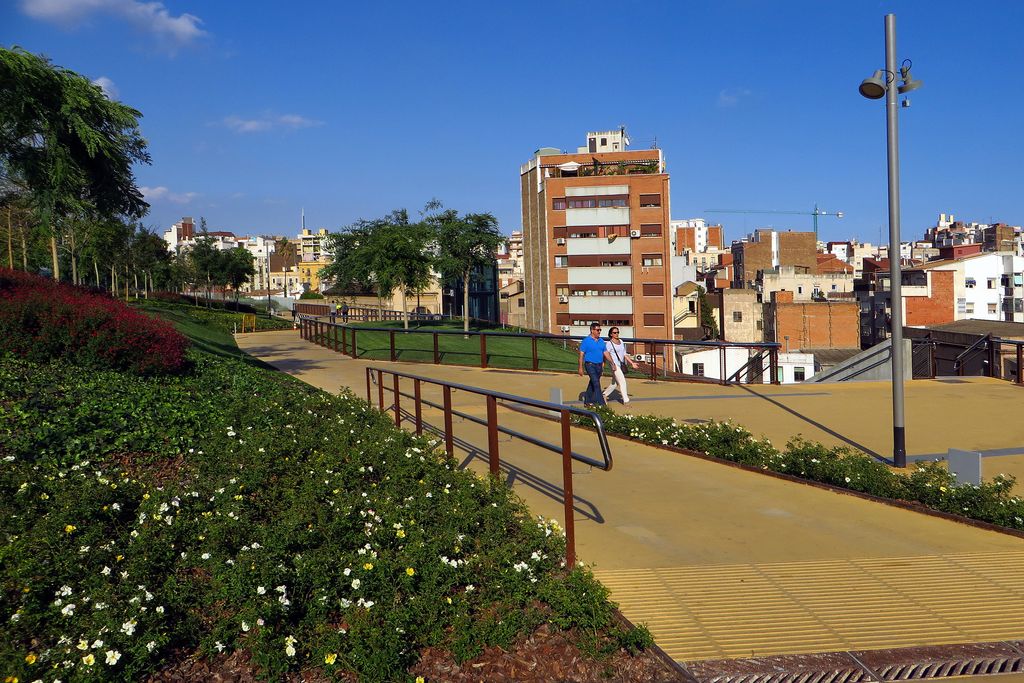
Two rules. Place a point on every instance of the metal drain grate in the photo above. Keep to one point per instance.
(942, 669)
(851, 675)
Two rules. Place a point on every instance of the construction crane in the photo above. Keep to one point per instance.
(817, 212)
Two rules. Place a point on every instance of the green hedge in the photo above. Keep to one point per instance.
(929, 484)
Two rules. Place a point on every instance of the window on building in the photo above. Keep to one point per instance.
(970, 307)
(561, 290)
(759, 324)
(835, 287)
(970, 283)
(521, 303)
(798, 374)
(991, 283)
(558, 204)
(737, 316)
(799, 290)
(654, 289)
(654, 319)
(698, 369)
(650, 230)
(692, 305)
(651, 260)
(561, 261)
(650, 200)
(993, 308)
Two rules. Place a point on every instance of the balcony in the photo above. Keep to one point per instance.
(583, 246)
(599, 216)
(604, 275)
(603, 305)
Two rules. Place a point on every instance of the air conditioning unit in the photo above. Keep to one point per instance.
(563, 299)
(560, 241)
(564, 328)
(634, 233)
(642, 358)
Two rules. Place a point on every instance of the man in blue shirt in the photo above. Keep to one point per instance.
(592, 360)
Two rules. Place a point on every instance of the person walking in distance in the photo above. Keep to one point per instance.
(615, 352)
(592, 361)
(344, 312)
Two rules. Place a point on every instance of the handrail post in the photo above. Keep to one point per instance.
(344, 340)
(437, 353)
(380, 390)
(448, 437)
(773, 365)
(353, 342)
(1020, 357)
(567, 495)
(398, 405)
(336, 339)
(392, 336)
(993, 356)
(492, 434)
(369, 397)
(533, 343)
(483, 350)
(721, 366)
(419, 406)
(654, 365)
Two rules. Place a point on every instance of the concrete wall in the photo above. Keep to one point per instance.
(871, 365)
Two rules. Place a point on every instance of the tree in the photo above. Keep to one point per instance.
(239, 268)
(384, 254)
(465, 245)
(707, 320)
(65, 145)
(289, 257)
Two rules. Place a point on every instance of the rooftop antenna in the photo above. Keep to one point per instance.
(303, 217)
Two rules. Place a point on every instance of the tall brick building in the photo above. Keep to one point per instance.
(766, 249)
(811, 324)
(596, 238)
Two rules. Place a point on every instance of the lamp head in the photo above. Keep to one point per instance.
(908, 81)
(874, 87)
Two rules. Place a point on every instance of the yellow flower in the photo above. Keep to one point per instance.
(145, 496)
(449, 600)
(69, 528)
(420, 679)
(30, 658)
(368, 566)
(400, 533)
(410, 571)
(119, 558)
(11, 679)
(89, 660)
(329, 659)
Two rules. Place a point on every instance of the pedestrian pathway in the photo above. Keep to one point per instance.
(721, 562)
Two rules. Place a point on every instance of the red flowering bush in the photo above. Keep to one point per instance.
(41, 319)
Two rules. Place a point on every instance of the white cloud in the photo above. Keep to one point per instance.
(732, 96)
(150, 17)
(161, 193)
(107, 86)
(267, 122)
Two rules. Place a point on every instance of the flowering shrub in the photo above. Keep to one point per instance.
(930, 484)
(41, 319)
(236, 508)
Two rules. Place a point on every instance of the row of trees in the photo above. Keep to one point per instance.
(396, 253)
(67, 157)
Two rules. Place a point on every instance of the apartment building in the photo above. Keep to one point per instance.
(596, 239)
(807, 285)
(696, 235)
(766, 248)
(312, 244)
(510, 260)
(182, 231)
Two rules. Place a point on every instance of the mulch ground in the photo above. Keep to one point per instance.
(546, 656)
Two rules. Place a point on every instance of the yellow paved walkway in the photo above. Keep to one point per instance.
(722, 562)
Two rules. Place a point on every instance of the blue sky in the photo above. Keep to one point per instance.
(255, 110)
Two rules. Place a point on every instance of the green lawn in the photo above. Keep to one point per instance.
(210, 329)
(455, 349)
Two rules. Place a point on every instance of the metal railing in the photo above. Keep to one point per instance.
(377, 376)
(982, 345)
(1019, 349)
(343, 338)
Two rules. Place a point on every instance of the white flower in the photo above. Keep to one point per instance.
(105, 571)
(159, 609)
(68, 610)
(356, 583)
(151, 645)
(245, 626)
(205, 556)
(348, 570)
(219, 646)
(97, 644)
(129, 627)
(260, 590)
(113, 656)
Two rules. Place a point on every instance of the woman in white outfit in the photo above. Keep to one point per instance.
(615, 351)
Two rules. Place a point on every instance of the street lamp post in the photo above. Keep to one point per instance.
(883, 84)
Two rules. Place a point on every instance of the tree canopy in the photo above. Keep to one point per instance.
(465, 244)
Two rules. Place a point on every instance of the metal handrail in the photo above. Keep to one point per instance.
(375, 376)
(759, 357)
(958, 361)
